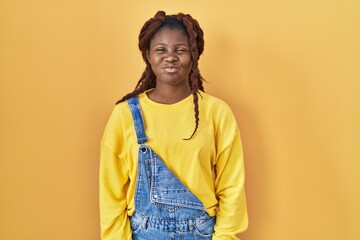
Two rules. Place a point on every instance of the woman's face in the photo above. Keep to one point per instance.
(170, 57)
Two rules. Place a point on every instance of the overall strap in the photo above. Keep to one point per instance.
(135, 109)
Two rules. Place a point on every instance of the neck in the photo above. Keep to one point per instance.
(169, 95)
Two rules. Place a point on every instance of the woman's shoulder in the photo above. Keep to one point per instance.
(121, 107)
(213, 102)
(120, 112)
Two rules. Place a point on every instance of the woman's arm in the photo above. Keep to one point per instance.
(231, 217)
(113, 184)
(114, 180)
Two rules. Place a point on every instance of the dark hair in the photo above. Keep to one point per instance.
(191, 27)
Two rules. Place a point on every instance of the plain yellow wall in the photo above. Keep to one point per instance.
(289, 69)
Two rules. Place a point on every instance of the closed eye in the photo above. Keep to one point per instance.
(160, 50)
(182, 50)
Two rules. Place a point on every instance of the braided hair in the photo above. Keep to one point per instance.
(191, 28)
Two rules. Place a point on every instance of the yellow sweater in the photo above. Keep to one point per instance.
(210, 164)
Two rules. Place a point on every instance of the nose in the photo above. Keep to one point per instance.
(170, 57)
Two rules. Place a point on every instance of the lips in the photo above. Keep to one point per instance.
(170, 68)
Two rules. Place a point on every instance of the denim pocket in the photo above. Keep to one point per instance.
(136, 223)
(205, 228)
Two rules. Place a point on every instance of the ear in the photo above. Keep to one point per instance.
(148, 56)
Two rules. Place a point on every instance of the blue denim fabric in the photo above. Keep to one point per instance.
(164, 207)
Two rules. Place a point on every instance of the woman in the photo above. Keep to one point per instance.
(171, 157)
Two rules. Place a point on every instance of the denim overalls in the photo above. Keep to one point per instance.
(164, 207)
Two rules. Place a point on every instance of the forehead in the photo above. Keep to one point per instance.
(170, 35)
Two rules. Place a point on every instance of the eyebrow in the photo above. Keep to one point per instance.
(178, 44)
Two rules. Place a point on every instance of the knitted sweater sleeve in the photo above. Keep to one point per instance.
(113, 185)
(231, 217)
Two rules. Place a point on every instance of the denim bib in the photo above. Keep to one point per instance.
(164, 207)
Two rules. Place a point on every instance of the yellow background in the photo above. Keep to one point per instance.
(289, 69)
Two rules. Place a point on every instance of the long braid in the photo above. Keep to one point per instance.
(196, 41)
(197, 47)
(147, 81)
